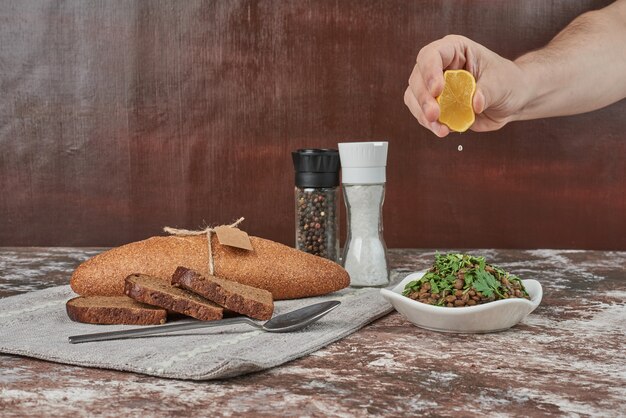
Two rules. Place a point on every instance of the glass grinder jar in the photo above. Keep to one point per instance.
(363, 182)
(316, 198)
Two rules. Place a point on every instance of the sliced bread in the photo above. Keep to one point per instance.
(113, 310)
(247, 300)
(154, 291)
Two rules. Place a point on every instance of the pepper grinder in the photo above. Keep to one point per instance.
(316, 197)
(363, 166)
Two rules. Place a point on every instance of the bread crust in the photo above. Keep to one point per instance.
(246, 300)
(153, 291)
(117, 310)
(283, 271)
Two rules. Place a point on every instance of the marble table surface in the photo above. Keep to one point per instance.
(567, 358)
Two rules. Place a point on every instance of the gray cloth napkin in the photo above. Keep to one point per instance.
(36, 325)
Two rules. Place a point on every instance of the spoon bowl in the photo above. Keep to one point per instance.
(300, 318)
(287, 322)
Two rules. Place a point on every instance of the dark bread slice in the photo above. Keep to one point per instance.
(113, 310)
(247, 300)
(154, 291)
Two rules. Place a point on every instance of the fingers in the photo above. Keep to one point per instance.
(427, 103)
(413, 105)
(439, 129)
(429, 66)
(434, 58)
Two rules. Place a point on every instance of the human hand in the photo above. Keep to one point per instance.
(501, 90)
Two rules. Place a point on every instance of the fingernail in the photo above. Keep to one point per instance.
(434, 126)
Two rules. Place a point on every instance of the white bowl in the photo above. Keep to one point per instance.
(489, 317)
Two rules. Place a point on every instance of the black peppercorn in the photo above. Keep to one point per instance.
(316, 199)
(316, 223)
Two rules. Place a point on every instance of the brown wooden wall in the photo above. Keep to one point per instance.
(120, 117)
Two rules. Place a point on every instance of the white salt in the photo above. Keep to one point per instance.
(365, 256)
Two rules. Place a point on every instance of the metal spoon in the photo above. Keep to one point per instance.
(290, 321)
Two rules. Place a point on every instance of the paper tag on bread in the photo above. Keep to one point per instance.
(233, 237)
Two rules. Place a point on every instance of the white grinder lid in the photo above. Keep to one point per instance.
(363, 162)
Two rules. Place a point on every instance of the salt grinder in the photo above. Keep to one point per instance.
(363, 166)
(316, 198)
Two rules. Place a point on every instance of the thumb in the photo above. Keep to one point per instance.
(479, 102)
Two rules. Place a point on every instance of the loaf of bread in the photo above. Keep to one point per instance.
(246, 300)
(153, 291)
(110, 310)
(285, 272)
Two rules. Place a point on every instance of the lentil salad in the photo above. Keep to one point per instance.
(460, 280)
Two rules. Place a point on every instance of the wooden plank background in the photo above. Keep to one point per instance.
(120, 117)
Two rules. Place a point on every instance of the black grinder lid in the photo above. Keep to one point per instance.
(316, 167)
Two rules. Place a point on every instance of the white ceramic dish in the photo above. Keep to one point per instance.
(489, 317)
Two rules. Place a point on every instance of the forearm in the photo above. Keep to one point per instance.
(582, 69)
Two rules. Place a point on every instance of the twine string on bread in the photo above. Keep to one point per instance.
(208, 231)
